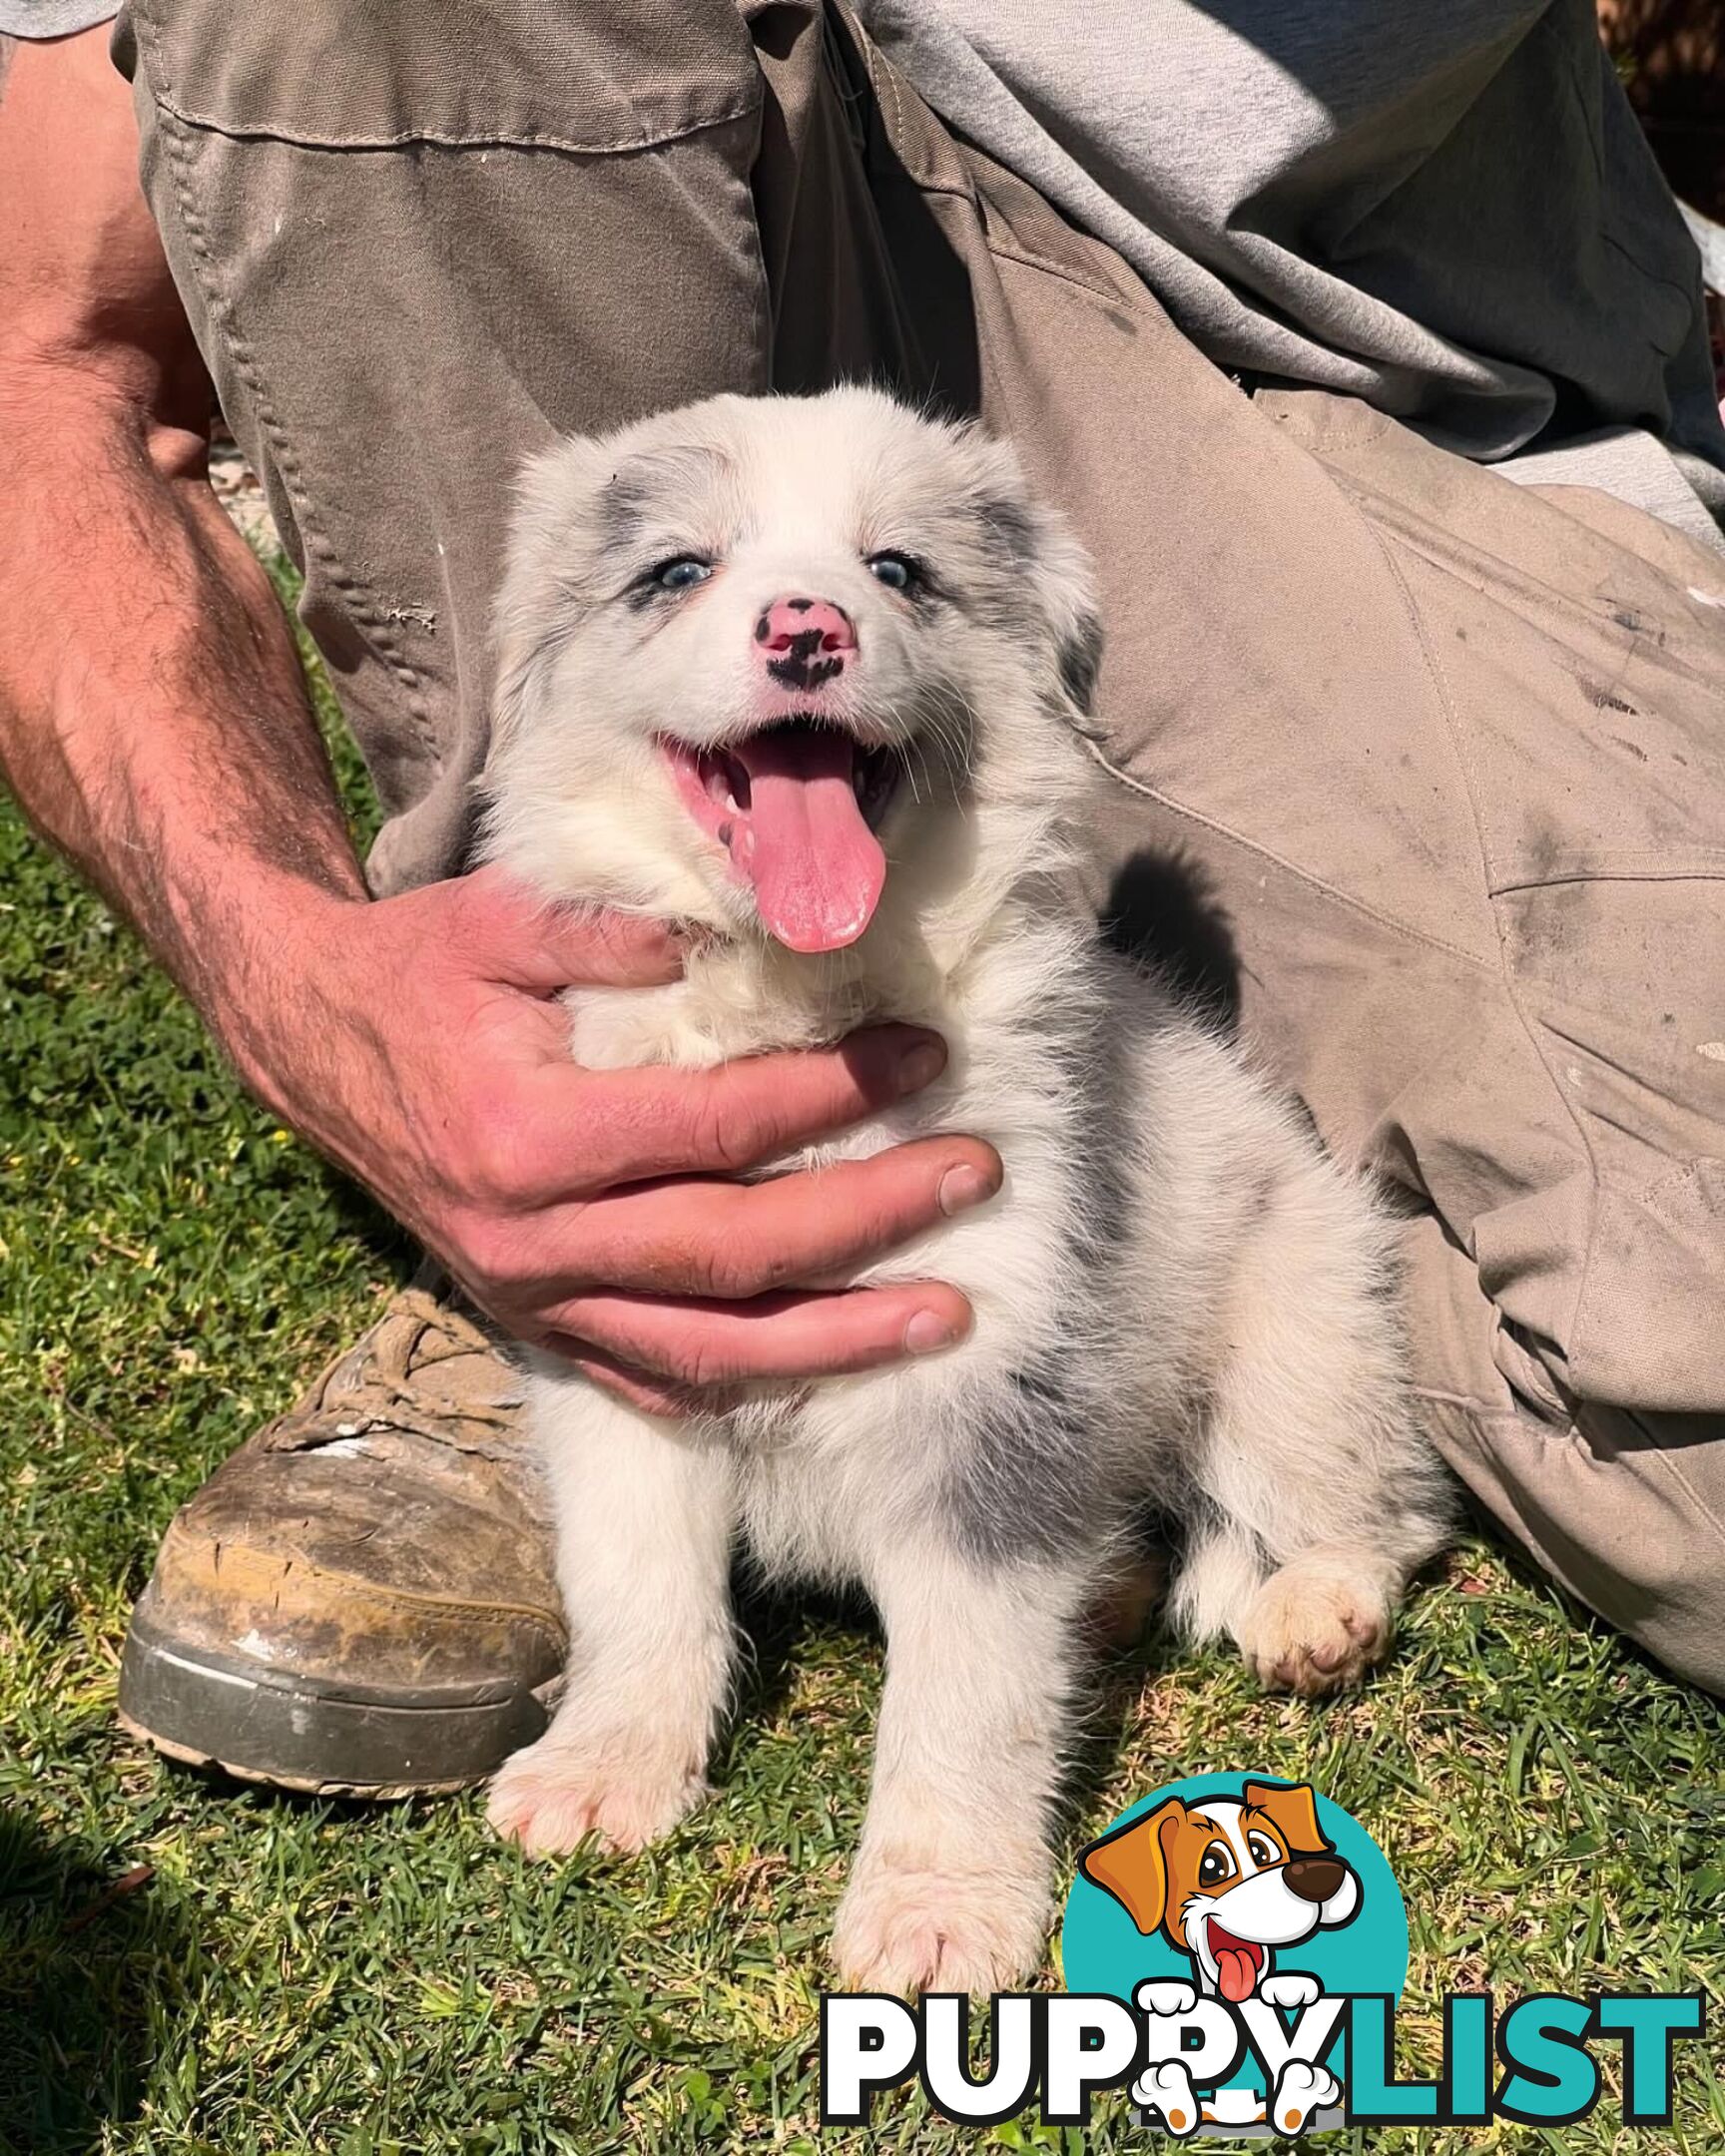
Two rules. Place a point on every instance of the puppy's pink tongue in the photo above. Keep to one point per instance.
(1235, 1971)
(816, 866)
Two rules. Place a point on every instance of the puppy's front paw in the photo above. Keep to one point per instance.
(1289, 1990)
(904, 1929)
(1166, 1999)
(554, 1795)
(1315, 1627)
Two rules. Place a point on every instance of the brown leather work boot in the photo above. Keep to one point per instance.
(361, 1601)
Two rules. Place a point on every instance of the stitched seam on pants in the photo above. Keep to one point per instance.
(1659, 869)
(521, 139)
(1303, 875)
(763, 307)
(1470, 1400)
(1692, 1172)
(1668, 1460)
(1113, 294)
(1511, 581)
(1656, 1456)
(1470, 779)
(880, 69)
(361, 603)
(167, 99)
(894, 126)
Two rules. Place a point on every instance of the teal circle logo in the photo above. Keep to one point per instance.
(1242, 1891)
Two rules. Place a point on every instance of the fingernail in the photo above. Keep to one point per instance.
(963, 1187)
(927, 1333)
(921, 1066)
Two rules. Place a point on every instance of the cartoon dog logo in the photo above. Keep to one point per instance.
(1230, 1882)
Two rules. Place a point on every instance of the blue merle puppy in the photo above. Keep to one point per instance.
(812, 674)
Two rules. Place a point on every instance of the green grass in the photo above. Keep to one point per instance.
(298, 1976)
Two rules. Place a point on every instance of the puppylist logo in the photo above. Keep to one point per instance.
(1239, 1924)
(1234, 1949)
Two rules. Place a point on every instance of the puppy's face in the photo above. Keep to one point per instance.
(770, 637)
(1228, 1880)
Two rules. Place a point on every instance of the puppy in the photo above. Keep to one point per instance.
(1228, 1881)
(810, 675)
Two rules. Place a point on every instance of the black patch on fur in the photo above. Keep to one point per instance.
(1081, 662)
(626, 501)
(651, 493)
(1011, 528)
(1032, 1481)
(1163, 914)
(1027, 1486)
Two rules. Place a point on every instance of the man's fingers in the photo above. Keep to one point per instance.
(736, 1240)
(637, 1125)
(653, 1395)
(537, 944)
(701, 1344)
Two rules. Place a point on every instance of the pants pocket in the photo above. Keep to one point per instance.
(375, 74)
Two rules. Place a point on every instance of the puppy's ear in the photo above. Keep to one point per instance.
(1293, 1812)
(534, 608)
(1066, 587)
(1131, 1864)
(1054, 569)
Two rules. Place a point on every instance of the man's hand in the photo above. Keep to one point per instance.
(417, 1040)
(154, 724)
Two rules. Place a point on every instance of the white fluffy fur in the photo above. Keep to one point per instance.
(1179, 1301)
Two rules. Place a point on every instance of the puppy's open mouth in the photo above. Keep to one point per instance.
(1238, 1961)
(796, 807)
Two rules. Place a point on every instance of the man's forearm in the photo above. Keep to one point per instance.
(154, 723)
(153, 718)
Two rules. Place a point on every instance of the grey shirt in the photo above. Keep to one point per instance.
(48, 18)
(1446, 210)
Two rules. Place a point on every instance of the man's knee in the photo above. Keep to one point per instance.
(1626, 1512)
(1623, 1508)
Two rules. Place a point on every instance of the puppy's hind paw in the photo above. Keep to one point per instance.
(1166, 2095)
(1316, 1626)
(1302, 2089)
(553, 1795)
(910, 1931)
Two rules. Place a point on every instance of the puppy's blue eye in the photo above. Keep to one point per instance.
(682, 573)
(897, 571)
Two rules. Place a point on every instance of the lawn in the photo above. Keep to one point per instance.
(192, 1965)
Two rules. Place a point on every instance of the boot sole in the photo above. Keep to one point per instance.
(325, 1740)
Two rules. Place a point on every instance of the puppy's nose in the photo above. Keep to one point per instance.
(806, 642)
(805, 626)
(1315, 1878)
